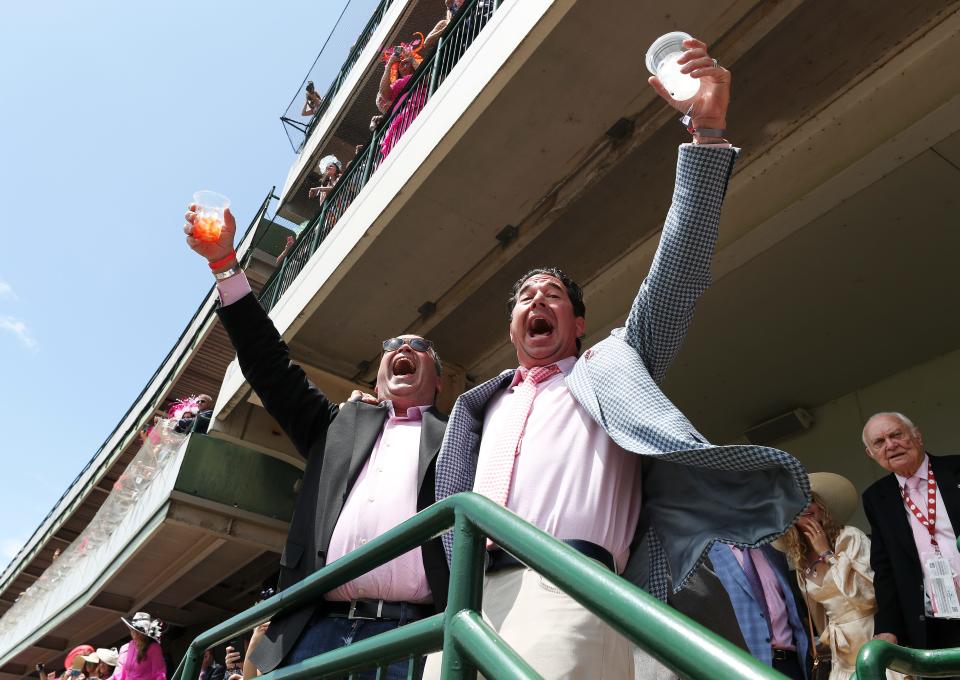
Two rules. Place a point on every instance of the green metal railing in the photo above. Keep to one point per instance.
(430, 75)
(304, 130)
(876, 656)
(469, 644)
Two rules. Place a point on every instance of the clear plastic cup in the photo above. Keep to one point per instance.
(209, 221)
(662, 62)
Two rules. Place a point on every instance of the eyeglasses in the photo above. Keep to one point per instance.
(416, 344)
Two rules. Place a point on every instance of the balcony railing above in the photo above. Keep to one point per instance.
(298, 127)
(428, 78)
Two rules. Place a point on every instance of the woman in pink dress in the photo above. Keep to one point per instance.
(401, 66)
(144, 658)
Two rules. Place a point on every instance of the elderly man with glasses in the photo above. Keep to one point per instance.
(369, 467)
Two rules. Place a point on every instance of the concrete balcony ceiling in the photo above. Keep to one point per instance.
(842, 196)
(193, 550)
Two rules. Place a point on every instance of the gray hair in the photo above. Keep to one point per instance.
(892, 414)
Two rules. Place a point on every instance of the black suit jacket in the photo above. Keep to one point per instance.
(336, 443)
(898, 578)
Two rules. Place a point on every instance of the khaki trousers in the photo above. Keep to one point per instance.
(549, 630)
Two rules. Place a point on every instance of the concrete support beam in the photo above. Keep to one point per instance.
(111, 602)
(52, 643)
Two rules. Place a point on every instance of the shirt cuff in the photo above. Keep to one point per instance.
(233, 288)
(719, 145)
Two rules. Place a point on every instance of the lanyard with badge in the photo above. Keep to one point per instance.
(941, 587)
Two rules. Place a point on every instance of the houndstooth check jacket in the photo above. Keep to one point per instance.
(694, 493)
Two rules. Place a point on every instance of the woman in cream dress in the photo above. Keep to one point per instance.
(832, 563)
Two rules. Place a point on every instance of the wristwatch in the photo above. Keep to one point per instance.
(227, 273)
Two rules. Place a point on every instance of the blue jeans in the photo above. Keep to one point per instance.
(325, 633)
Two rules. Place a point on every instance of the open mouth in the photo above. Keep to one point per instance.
(403, 365)
(538, 326)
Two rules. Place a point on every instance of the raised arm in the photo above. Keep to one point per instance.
(680, 273)
(435, 34)
(302, 410)
(384, 95)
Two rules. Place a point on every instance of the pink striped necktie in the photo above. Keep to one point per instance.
(496, 476)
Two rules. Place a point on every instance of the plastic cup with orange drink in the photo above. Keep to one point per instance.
(209, 220)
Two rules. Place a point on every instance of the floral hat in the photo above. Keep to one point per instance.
(411, 48)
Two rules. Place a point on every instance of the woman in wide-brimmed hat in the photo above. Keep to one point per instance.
(75, 664)
(144, 658)
(104, 663)
(833, 570)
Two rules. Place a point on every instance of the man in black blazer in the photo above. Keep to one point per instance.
(899, 538)
(369, 467)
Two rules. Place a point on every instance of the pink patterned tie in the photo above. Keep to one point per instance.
(495, 477)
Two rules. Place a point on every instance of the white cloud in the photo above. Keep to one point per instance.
(18, 328)
(6, 290)
(9, 547)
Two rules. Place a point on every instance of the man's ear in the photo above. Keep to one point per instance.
(580, 324)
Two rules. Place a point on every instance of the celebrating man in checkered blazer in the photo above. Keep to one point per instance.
(556, 439)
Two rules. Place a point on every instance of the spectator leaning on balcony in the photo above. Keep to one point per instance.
(331, 169)
(369, 467)
(914, 513)
(286, 250)
(395, 99)
(312, 100)
(555, 440)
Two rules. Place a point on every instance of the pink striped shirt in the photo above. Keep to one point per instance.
(570, 479)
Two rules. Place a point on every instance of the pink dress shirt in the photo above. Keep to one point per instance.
(233, 289)
(153, 667)
(570, 479)
(384, 495)
(782, 635)
(946, 536)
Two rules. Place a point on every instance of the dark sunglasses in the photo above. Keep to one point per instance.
(416, 344)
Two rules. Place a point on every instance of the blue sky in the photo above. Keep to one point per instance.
(112, 115)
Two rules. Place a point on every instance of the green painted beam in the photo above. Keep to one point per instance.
(234, 475)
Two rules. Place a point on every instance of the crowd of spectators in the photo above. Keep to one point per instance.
(139, 659)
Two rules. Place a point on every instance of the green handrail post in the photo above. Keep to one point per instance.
(432, 87)
(318, 227)
(465, 594)
(666, 634)
(479, 644)
(276, 290)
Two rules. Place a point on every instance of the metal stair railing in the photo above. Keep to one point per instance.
(877, 655)
(468, 642)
